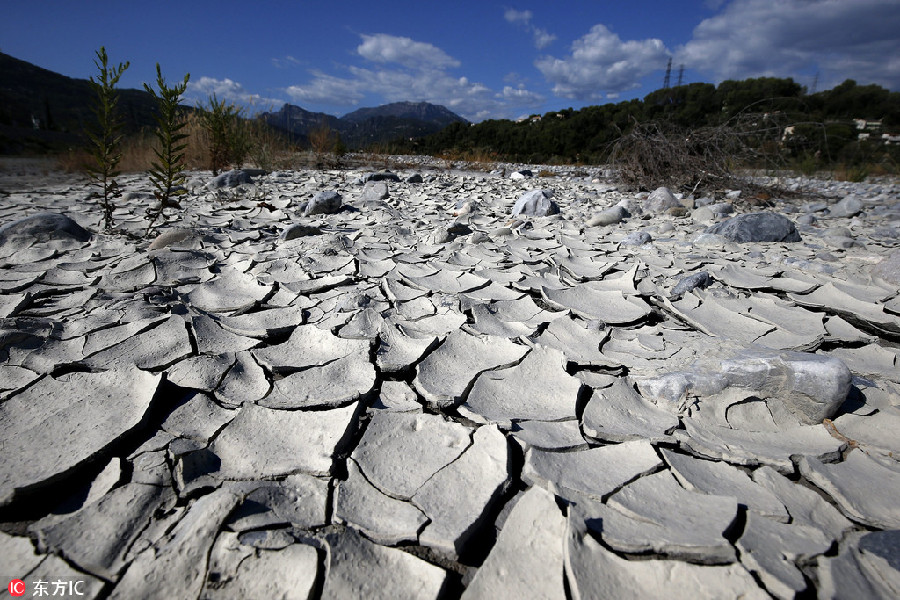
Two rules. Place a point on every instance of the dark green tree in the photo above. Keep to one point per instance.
(228, 140)
(166, 173)
(106, 136)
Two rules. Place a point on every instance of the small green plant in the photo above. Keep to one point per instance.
(166, 174)
(105, 139)
(228, 140)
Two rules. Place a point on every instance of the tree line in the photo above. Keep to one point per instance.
(819, 126)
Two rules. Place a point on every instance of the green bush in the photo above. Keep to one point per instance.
(166, 174)
(228, 139)
(106, 137)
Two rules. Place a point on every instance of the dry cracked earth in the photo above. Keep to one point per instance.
(347, 384)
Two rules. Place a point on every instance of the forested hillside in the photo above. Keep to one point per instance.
(768, 110)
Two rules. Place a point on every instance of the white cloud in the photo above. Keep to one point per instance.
(601, 63)
(522, 96)
(754, 38)
(522, 18)
(327, 89)
(200, 90)
(286, 62)
(384, 48)
(517, 16)
(405, 69)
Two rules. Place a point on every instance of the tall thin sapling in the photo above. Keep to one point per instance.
(167, 171)
(106, 137)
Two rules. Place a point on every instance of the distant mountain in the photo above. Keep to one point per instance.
(43, 111)
(367, 126)
(415, 111)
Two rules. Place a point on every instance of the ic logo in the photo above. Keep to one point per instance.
(16, 587)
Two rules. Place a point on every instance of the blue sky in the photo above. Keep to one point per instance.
(481, 59)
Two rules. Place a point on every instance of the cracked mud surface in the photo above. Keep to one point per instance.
(421, 395)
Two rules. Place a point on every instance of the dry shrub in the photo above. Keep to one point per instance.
(657, 154)
(546, 173)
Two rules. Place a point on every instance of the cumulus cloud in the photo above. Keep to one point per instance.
(200, 90)
(406, 69)
(522, 18)
(755, 38)
(602, 63)
(384, 48)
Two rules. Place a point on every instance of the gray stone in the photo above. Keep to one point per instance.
(610, 216)
(357, 568)
(231, 179)
(399, 452)
(60, 423)
(847, 207)
(527, 560)
(596, 472)
(475, 480)
(381, 176)
(42, 227)
(812, 387)
(324, 203)
(297, 230)
(636, 238)
(757, 227)
(535, 203)
(175, 237)
(263, 442)
(374, 192)
(852, 482)
(700, 279)
(660, 200)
